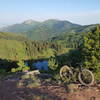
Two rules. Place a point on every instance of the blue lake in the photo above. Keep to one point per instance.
(40, 65)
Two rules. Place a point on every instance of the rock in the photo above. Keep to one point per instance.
(20, 98)
(35, 72)
(72, 87)
(45, 76)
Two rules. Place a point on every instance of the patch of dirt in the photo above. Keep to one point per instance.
(9, 90)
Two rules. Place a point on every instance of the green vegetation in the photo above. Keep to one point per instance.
(12, 49)
(16, 48)
(91, 50)
(50, 30)
(29, 81)
(41, 30)
(23, 27)
(68, 43)
(21, 67)
(12, 36)
(52, 63)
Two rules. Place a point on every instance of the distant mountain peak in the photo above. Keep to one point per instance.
(29, 22)
(51, 20)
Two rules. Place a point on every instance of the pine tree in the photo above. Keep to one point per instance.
(91, 49)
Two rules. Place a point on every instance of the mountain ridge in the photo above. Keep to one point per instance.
(31, 23)
(47, 29)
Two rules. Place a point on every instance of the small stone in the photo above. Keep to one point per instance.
(72, 87)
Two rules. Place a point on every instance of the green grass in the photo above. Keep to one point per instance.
(12, 49)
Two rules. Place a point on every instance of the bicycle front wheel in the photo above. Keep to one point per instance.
(65, 73)
(86, 77)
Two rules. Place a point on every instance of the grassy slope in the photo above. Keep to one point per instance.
(12, 46)
(12, 36)
(12, 49)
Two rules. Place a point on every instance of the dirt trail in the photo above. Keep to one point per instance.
(10, 91)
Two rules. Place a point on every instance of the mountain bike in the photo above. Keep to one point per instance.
(84, 76)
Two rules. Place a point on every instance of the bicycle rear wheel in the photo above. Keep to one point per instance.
(86, 77)
(65, 73)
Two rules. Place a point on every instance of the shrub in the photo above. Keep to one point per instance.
(25, 77)
(33, 84)
(13, 70)
(2, 71)
(22, 67)
(91, 49)
(52, 63)
(29, 81)
(97, 76)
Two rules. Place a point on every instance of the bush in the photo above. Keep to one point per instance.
(29, 81)
(97, 76)
(22, 67)
(52, 63)
(91, 49)
(25, 77)
(13, 70)
(2, 71)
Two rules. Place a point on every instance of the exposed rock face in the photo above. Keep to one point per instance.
(29, 22)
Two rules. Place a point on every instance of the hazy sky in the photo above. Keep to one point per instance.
(76, 11)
